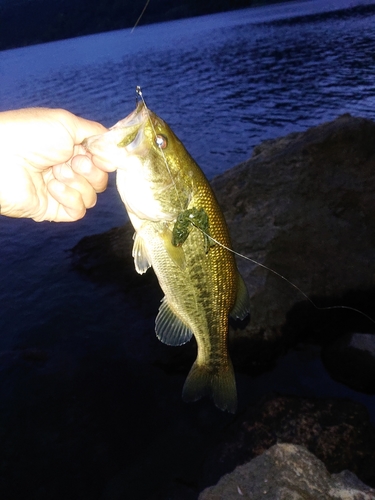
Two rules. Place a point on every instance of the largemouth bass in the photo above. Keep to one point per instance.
(180, 231)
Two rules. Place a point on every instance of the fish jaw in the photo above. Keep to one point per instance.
(115, 145)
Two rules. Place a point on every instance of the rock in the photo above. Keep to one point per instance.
(303, 205)
(337, 431)
(351, 360)
(287, 472)
(107, 256)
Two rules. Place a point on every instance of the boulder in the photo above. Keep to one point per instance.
(337, 431)
(303, 205)
(287, 472)
(106, 257)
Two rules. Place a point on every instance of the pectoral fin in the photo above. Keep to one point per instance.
(141, 259)
(242, 306)
(169, 328)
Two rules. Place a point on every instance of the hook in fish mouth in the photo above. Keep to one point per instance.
(131, 130)
(136, 117)
(135, 127)
(128, 137)
(125, 134)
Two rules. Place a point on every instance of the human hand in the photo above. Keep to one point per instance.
(45, 173)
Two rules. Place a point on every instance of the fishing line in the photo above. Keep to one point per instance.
(285, 279)
(140, 17)
(140, 94)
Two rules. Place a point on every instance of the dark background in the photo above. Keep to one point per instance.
(28, 22)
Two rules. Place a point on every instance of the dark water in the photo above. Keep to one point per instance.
(69, 347)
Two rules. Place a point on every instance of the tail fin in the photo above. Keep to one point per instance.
(219, 384)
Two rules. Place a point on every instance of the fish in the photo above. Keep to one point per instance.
(181, 232)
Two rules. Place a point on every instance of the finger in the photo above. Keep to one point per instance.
(103, 155)
(80, 128)
(67, 204)
(86, 128)
(103, 164)
(65, 174)
(82, 165)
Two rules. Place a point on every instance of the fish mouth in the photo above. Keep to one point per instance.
(127, 134)
(136, 117)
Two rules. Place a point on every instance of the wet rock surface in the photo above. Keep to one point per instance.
(303, 205)
(107, 257)
(337, 431)
(286, 472)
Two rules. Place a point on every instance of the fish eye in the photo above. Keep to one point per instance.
(161, 141)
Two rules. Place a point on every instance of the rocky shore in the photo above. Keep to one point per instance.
(287, 471)
(304, 206)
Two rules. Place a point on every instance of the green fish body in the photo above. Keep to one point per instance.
(181, 232)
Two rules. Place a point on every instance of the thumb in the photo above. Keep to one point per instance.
(81, 128)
